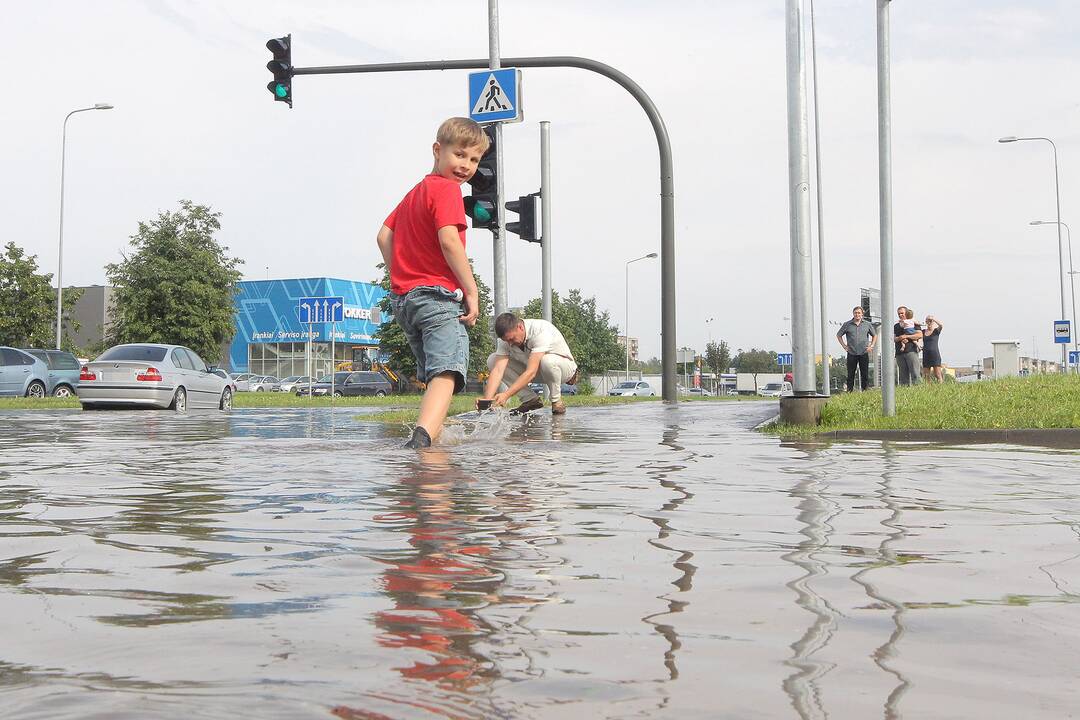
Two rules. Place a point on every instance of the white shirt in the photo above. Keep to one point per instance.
(540, 336)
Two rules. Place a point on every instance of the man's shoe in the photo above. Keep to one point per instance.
(558, 408)
(419, 439)
(528, 406)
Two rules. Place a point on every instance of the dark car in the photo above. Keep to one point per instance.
(350, 384)
(541, 389)
(63, 370)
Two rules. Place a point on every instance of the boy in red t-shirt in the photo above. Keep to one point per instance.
(432, 290)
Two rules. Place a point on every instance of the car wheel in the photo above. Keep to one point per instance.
(36, 390)
(260, 389)
(179, 402)
(226, 399)
(62, 391)
(380, 393)
(337, 393)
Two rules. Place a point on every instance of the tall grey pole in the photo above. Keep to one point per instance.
(667, 173)
(888, 350)
(1072, 287)
(545, 215)
(802, 302)
(498, 236)
(825, 383)
(60, 248)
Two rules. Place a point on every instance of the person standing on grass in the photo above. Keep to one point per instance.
(432, 289)
(931, 355)
(857, 337)
(907, 350)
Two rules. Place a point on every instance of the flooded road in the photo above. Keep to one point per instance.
(628, 562)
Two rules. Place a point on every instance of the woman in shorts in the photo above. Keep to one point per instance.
(931, 356)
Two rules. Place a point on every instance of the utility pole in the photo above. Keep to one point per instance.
(825, 383)
(888, 350)
(498, 236)
(545, 210)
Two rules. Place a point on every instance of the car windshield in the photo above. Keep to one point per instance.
(626, 386)
(773, 386)
(291, 378)
(140, 353)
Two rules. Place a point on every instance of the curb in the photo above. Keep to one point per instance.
(1065, 438)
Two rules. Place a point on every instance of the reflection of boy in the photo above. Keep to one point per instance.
(432, 290)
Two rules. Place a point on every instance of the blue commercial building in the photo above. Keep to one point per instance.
(270, 340)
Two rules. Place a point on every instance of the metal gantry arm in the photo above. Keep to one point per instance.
(667, 186)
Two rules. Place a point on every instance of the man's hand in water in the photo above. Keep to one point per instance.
(500, 399)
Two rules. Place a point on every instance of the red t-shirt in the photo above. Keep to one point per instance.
(417, 259)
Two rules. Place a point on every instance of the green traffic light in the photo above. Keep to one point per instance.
(480, 213)
(280, 90)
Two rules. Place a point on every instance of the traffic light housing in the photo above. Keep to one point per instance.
(526, 207)
(281, 66)
(482, 205)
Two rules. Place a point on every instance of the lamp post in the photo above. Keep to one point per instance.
(60, 252)
(626, 329)
(1072, 277)
(1061, 249)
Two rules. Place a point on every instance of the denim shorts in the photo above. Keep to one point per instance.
(439, 340)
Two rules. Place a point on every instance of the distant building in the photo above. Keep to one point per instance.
(621, 339)
(94, 313)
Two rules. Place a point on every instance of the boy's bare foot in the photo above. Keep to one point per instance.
(558, 408)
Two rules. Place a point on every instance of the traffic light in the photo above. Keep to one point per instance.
(526, 207)
(281, 66)
(482, 205)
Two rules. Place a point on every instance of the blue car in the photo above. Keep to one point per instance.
(63, 371)
(22, 374)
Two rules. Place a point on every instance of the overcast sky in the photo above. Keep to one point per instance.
(302, 192)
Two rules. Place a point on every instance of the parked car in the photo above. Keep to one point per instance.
(289, 384)
(632, 387)
(152, 375)
(700, 392)
(264, 383)
(242, 381)
(22, 374)
(350, 384)
(226, 377)
(63, 371)
(775, 389)
(541, 389)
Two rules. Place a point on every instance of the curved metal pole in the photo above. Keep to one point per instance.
(667, 185)
(888, 351)
(825, 355)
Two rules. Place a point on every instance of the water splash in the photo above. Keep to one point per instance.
(472, 427)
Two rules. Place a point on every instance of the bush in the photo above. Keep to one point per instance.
(584, 387)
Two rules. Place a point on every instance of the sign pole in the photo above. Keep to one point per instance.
(311, 360)
(545, 210)
(333, 359)
(499, 239)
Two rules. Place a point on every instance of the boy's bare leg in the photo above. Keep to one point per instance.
(435, 403)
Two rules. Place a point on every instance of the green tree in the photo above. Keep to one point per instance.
(718, 357)
(756, 361)
(591, 336)
(28, 300)
(392, 339)
(178, 285)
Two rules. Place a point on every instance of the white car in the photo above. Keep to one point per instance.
(776, 389)
(632, 387)
(152, 375)
(289, 384)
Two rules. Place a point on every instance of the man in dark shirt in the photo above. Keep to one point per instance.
(907, 352)
(857, 337)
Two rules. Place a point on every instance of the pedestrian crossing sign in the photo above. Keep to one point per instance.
(495, 96)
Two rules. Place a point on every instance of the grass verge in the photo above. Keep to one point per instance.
(1039, 401)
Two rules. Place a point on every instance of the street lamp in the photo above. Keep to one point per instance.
(1061, 249)
(60, 252)
(626, 329)
(708, 327)
(1072, 277)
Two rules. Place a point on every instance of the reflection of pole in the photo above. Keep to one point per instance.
(545, 214)
(802, 304)
(888, 351)
(825, 384)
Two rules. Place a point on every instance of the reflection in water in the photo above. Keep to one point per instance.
(886, 557)
(682, 564)
(816, 512)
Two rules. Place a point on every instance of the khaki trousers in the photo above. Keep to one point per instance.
(554, 370)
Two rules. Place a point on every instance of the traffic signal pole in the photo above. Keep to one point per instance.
(498, 235)
(667, 182)
(545, 210)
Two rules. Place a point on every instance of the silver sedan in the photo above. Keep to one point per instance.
(152, 375)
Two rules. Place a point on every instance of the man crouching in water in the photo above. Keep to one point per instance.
(529, 349)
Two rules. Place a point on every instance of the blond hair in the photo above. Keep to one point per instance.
(462, 132)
